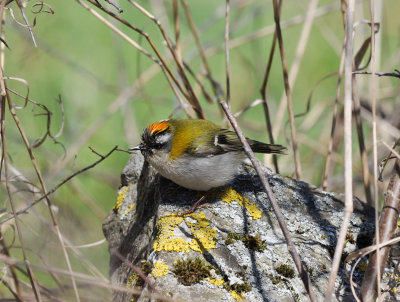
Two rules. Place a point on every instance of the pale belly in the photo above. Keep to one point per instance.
(201, 173)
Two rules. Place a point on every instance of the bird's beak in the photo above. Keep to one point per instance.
(140, 147)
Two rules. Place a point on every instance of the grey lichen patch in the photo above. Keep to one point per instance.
(191, 271)
(286, 271)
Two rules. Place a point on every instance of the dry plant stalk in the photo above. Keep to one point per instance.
(348, 162)
(292, 249)
(287, 91)
(387, 228)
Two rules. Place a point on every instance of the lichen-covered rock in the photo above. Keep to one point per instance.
(232, 249)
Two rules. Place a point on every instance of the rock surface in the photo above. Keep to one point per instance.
(234, 248)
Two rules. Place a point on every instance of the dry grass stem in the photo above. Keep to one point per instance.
(43, 187)
(348, 163)
(361, 143)
(228, 86)
(387, 226)
(371, 286)
(288, 92)
(55, 188)
(256, 164)
(264, 94)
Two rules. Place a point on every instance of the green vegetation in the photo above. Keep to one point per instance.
(191, 271)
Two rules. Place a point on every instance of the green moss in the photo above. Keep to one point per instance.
(231, 237)
(254, 242)
(240, 287)
(251, 242)
(147, 266)
(135, 280)
(285, 270)
(349, 238)
(275, 279)
(191, 271)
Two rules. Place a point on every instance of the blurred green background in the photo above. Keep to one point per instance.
(110, 92)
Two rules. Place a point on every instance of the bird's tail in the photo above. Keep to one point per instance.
(259, 147)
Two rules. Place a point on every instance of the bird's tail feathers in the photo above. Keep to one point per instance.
(259, 147)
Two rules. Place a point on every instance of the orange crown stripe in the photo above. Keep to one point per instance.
(158, 127)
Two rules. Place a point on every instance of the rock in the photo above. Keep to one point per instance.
(232, 249)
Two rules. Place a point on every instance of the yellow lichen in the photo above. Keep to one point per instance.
(204, 236)
(230, 195)
(218, 282)
(120, 198)
(132, 280)
(130, 208)
(236, 295)
(160, 269)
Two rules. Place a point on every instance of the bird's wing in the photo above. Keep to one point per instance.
(227, 141)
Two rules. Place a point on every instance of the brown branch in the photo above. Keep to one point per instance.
(335, 120)
(136, 269)
(395, 74)
(348, 172)
(215, 86)
(292, 249)
(264, 94)
(160, 61)
(287, 91)
(190, 95)
(7, 178)
(361, 143)
(55, 188)
(228, 86)
(387, 228)
(43, 186)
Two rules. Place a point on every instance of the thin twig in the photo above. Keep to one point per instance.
(292, 249)
(135, 269)
(90, 280)
(55, 188)
(287, 91)
(7, 179)
(43, 186)
(190, 96)
(215, 87)
(387, 228)
(368, 289)
(21, 7)
(361, 143)
(228, 86)
(264, 94)
(334, 121)
(395, 74)
(348, 175)
(160, 61)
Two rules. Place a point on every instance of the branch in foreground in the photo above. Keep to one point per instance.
(395, 74)
(292, 249)
(24, 210)
(387, 228)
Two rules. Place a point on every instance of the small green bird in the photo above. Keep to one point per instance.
(196, 154)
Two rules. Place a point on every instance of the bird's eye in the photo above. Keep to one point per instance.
(158, 146)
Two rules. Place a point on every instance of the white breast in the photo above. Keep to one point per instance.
(200, 173)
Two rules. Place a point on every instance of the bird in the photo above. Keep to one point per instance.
(196, 154)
